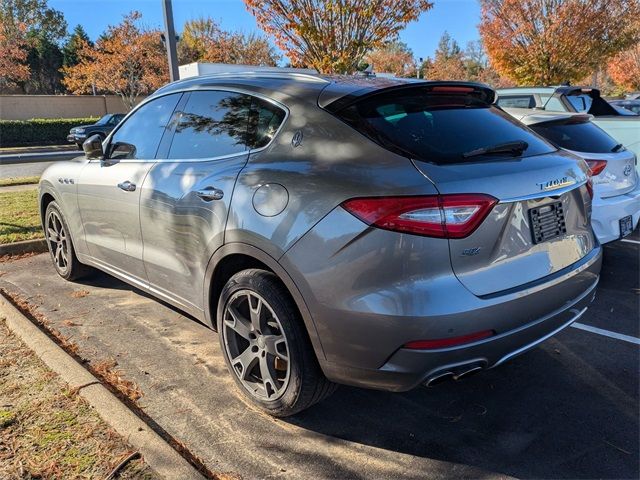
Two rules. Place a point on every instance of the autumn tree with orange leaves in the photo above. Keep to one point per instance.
(333, 36)
(547, 42)
(127, 60)
(202, 40)
(13, 58)
(395, 57)
(624, 68)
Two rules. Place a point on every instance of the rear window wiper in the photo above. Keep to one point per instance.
(513, 148)
(617, 148)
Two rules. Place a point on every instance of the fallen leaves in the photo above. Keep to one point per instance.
(79, 293)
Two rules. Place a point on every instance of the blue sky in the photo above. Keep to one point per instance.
(458, 17)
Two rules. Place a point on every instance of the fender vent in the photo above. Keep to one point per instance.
(547, 222)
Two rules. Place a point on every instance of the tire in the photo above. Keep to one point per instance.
(79, 145)
(60, 245)
(273, 338)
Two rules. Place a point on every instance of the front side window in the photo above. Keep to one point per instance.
(579, 137)
(211, 124)
(439, 128)
(140, 135)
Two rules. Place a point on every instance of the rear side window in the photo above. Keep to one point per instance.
(439, 128)
(516, 101)
(211, 124)
(581, 103)
(265, 121)
(580, 137)
(554, 105)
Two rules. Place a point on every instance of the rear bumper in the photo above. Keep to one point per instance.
(607, 213)
(406, 369)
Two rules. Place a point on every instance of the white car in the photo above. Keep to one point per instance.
(616, 189)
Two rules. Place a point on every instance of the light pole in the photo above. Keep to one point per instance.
(170, 40)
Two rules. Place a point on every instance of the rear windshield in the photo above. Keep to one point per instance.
(580, 137)
(438, 127)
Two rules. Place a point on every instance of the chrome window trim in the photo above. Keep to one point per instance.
(194, 88)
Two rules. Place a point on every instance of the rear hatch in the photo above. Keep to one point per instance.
(612, 165)
(541, 222)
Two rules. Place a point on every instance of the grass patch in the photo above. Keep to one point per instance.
(19, 216)
(11, 181)
(47, 431)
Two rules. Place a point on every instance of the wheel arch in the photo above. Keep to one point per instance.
(45, 199)
(234, 257)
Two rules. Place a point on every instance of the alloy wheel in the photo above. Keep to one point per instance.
(58, 241)
(256, 345)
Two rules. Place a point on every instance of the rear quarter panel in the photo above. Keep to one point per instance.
(332, 163)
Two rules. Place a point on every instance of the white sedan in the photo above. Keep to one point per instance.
(616, 189)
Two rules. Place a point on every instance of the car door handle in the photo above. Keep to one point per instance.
(127, 186)
(210, 193)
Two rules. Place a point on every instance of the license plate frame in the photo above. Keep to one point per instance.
(626, 226)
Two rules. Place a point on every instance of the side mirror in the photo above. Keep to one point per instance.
(92, 147)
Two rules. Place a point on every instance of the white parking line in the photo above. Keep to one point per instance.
(607, 333)
(630, 241)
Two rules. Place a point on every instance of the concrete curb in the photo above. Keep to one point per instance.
(158, 454)
(27, 246)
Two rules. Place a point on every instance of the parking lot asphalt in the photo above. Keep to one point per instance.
(568, 409)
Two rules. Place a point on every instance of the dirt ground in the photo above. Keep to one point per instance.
(50, 432)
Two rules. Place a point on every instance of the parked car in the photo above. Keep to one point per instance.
(616, 190)
(101, 128)
(624, 128)
(382, 233)
(631, 105)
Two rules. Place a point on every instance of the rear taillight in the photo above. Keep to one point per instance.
(442, 216)
(596, 166)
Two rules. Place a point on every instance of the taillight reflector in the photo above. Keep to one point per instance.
(442, 216)
(448, 342)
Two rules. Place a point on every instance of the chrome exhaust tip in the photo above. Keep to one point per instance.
(467, 373)
(439, 378)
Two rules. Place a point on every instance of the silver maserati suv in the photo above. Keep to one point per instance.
(382, 233)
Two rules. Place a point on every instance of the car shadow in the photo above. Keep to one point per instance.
(532, 418)
(567, 409)
(100, 279)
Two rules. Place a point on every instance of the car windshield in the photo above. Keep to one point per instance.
(441, 127)
(103, 120)
(579, 137)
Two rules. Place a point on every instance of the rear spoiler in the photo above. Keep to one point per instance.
(599, 106)
(479, 91)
